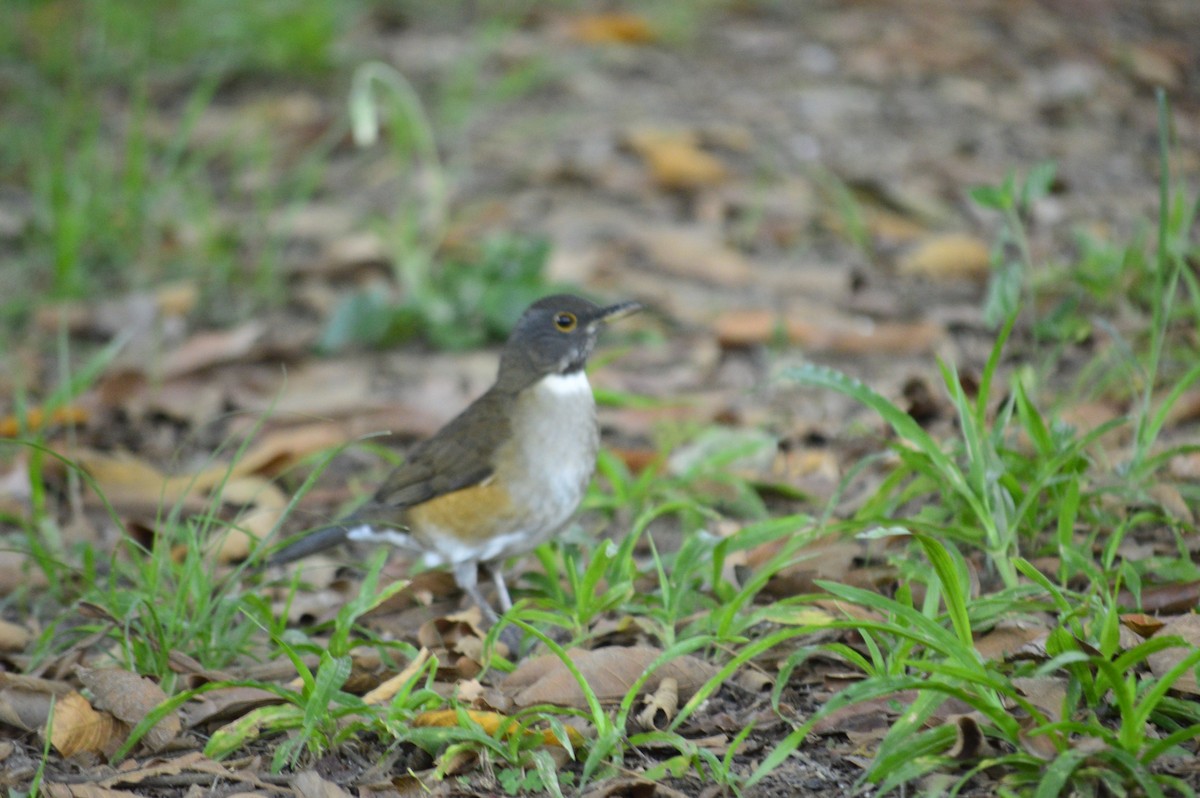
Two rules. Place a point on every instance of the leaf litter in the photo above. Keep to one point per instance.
(731, 268)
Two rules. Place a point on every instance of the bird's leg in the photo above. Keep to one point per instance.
(501, 588)
(466, 574)
(510, 635)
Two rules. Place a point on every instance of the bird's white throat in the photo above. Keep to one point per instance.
(572, 384)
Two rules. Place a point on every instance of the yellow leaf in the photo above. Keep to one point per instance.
(613, 29)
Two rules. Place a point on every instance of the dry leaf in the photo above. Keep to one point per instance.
(660, 706)
(225, 704)
(13, 637)
(211, 348)
(85, 790)
(1188, 628)
(860, 336)
(610, 672)
(25, 700)
(1174, 597)
(130, 698)
(310, 784)
(491, 722)
(615, 28)
(36, 418)
(387, 691)
(675, 160)
(1142, 624)
(950, 256)
(77, 727)
(1007, 638)
(970, 743)
(1171, 499)
(697, 254)
(1045, 693)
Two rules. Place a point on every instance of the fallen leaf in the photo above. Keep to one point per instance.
(36, 418)
(85, 790)
(660, 706)
(211, 348)
(130, 698)
(1173, 597)
(226, 703)
(77, 727)
(950, 256)
(310, 784)
(1046, 693)
(675, 159)
(614, 28)
(609, 672)
(1188, 628)
(13, 637)
(388, 690)
(25, 700)
(1142, 624)
(697, 254)
(970, 743)
(1007, 638)
(492, 722)
(742, 328)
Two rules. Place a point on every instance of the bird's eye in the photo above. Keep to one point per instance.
(564, 321)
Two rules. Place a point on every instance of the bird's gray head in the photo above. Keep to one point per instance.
(555, 335)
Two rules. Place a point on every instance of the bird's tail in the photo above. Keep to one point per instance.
(318, 540)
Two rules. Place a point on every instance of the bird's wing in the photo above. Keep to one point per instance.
(458, 456)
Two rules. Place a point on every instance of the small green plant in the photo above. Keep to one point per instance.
(454, 302)
(458, 305)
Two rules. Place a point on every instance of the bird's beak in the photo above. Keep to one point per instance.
(618, 311)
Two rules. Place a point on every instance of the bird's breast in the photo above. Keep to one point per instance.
(539, 477)
(552, 453)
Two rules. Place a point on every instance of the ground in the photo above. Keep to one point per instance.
(780, 184)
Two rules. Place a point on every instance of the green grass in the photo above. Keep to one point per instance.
(118, 204)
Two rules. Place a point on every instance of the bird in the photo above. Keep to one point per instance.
(507, 473)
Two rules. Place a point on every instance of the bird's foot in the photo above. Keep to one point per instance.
(511, 636)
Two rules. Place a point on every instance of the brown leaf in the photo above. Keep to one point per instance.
(1007, 638)
(1188, 628)
(614, 28)
(675, 160)
(386, 691)
(491, 722)
(77, 727)
(1175, 597)
(741, 328)
(225, 704)
(25, 700)
(696, 254)
(281, 449)
(610, 672)
(1045, 693)
(130, 698)
(18, 570)
(1142, 624)
(310, 784)
(969, 740)
(660, 706)
(1171, 500)
(13, 637)
(211, 348)
(950, 256)
(625, 787)
(36, 418)
(829, 557)
(85, 790)
(865, 721)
